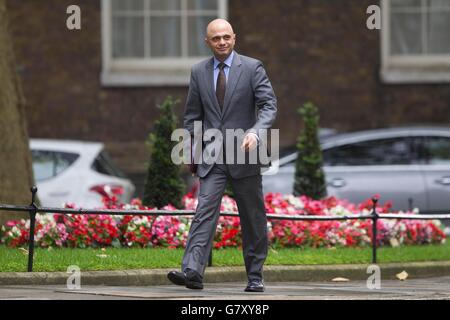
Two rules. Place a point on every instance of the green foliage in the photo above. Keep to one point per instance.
(13, 260)
(229, 190)
(309, 175)
(164, 184)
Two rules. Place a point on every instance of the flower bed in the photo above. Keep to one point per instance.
(57, 230)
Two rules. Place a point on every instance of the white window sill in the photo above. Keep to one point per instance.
(155, 78)
(415, 75)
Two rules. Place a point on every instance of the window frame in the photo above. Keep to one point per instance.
(425, 68)
(146, 71)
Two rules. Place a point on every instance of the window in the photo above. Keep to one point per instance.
(155, 42)
(104, 164)
(438, 150)
(48, 164)
(415, 41)
(397, 151)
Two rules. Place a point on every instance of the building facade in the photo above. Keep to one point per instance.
(103, 82)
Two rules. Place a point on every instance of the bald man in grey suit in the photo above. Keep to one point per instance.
(228, 91)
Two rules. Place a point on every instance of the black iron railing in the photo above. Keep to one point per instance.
(33, 209)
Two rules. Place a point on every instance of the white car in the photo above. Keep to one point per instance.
(78, 172)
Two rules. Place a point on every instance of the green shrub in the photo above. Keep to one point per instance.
(309, 175)
(163, 184)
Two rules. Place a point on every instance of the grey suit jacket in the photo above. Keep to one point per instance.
(250, 103)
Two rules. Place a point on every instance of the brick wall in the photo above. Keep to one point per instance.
(313, 50)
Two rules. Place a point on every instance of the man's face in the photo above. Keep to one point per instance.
(220, 39)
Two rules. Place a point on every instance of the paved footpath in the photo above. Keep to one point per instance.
(427, 288)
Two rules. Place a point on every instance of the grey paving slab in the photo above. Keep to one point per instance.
(429, 288)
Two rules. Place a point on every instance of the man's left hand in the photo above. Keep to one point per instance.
(250, 142)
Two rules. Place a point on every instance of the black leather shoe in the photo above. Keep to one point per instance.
(178, 278)
(255, 286)
(193, 280)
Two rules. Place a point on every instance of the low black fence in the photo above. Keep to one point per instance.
(33, 209)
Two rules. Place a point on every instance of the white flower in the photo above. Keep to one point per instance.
(339, 211)
(437, 223)
(394, 242)
(136, 220)
(294, 201)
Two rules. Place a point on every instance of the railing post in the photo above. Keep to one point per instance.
(374, 230)
(32, 213)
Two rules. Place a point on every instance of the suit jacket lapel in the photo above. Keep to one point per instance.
(209, 78)
(233, 78)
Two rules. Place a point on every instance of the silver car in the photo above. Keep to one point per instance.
(409, 166)
(78, 172)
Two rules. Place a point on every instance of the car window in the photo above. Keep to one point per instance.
(394, 151)
(437, 150)
(43, 165)
(48, 164)
(64, 160)
(104, 164)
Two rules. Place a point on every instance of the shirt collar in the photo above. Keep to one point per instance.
(227, 62)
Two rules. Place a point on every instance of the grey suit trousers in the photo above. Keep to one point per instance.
(250, 202)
